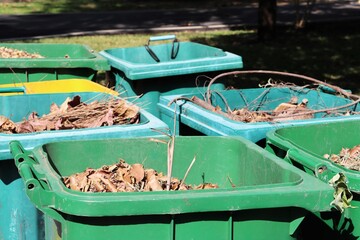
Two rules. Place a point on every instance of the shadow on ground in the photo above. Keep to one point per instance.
(328, 52)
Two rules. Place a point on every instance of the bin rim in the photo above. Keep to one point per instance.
(59, 198)
(30, 140)
(140, 71)
(195, 113)
(95, 61)
(275, 139)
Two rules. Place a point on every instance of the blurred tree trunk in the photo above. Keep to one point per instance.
(303, 13)
(267, 19)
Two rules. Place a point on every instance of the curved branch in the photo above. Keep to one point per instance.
(336, 88)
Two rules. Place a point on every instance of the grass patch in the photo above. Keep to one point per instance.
(327, 52)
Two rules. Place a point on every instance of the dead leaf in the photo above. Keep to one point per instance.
(54, 108)
(65, 105)
(33, 116)
(123, 177)
(6, 125)
(137, 171)
(25, 127)
(154, 184)
(355, 151)
(206, 186)
(75, 101)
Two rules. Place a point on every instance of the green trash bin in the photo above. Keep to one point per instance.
(19, 219)
(259, 196)
(59, 61)
(172, 68)
(305, 146)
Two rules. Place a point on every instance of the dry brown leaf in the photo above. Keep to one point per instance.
(108, 184)
(39, 125)
(284, 107)
(104, 120)
(355, 151)
(54, 108)
(25, 127)
(122, 177)
(6, 125)
(154, 184)
(349, 158)
(6, 52)
(206, 186)
(75, 101)
(65, 105)
(73, 114)
(137, 171)
(33, 116)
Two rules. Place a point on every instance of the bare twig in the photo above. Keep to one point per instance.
(208, 106)
(158, 140)
(161, 131)
(336, 88)
(171, 149)
(228, 109)
(171, 145)
(258, 97)
(231, 182)
(187, 171)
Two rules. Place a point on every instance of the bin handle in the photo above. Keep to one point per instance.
(161, 38)
(321, 169)
(25, 162)
(174, 49)
(152, 54)
(12, 89)
(38, 191)
(18, 152)
(36, 184)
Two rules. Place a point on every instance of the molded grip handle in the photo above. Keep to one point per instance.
(162, 38)
(174, 51)
(18, 152)
(322, 169)
(13, 89)
(28, 177)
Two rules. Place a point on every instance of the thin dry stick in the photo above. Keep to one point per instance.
(231, 182)
(170, 159)
(161, 131)
(258, 97)
(157, 140)
(187, 171)
(244, 99)
(17, 77)
(208, 106)
(197, 83)
(336, 88)
(171, 149)
(228, 109)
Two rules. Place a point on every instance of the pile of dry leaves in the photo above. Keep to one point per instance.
(6, 52)
(292, 110)
(348, 157)
(286, 111)
(124, 177)
(74, 114)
